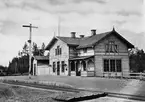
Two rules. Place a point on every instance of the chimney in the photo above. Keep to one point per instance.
(81, 36)
(93, 31)
(73, 34)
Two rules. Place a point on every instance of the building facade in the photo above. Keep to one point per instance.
(41, 65)
(94, 55)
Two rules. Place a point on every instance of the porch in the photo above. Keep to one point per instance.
(82, 66)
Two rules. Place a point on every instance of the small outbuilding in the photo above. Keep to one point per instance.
(41, 65)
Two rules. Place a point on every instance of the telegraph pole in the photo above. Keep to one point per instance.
(30, 41)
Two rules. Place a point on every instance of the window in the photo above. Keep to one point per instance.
(107, 47)
(116, 48)
(106, 65)
(62, 66)
(111, 47)
(53, 66)
(118, 65)
(72, 66)
(58, 51)
(112, 65)
(85, 50)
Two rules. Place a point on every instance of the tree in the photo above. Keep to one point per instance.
(13, 66)
(137, 60)
(21, 64)
(42, 50)
(35, 49)
(25, 49)
(3, 70)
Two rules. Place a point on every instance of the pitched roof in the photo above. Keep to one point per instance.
(69, 40)
(41, 57)
(88, 41)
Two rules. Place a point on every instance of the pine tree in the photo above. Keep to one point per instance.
(42, 50)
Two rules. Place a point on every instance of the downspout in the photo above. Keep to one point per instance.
(68, 60)
(94, 61)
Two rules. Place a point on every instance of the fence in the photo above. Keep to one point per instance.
(127, 75)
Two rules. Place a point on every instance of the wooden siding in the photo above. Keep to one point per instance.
(72, 51)
(99, 64)
(63, 57)
(101, 46)
(90, 51)
(100, 55)
(41, 68)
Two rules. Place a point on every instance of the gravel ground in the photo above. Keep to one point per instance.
(11, 93)
(21, 94)
(111, 99)
(126, 86)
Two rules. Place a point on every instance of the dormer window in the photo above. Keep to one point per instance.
(111, 47)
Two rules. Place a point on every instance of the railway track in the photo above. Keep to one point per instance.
(119, 95)
(109, 94)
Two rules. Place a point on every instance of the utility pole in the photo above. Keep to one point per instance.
(30, 41)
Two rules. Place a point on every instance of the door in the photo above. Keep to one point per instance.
(34, 69)
(78, 70)
(58, 68)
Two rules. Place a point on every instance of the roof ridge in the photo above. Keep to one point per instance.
(67, 37)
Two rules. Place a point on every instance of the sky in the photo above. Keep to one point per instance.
(127, 16)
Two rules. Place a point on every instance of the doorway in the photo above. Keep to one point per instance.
(78, 70)
(34, 69)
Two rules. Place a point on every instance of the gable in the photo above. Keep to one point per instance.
(62, 45)
(122, 44)
(121, 39)
(66, 40)
(93, 40)
(51, 43)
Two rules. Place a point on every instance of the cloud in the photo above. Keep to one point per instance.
(76, 15)
(94, 1)
(119, 23)
(137, 39)
(57, 2)
(127, 13)
(9, 46)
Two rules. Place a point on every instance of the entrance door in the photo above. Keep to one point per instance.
(78, 71)
(34, 69)
(58, 68)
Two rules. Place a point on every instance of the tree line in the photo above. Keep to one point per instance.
(137, 60)
(20, 64)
